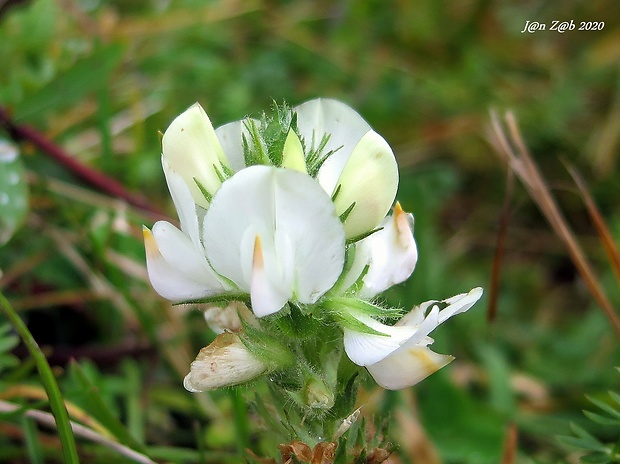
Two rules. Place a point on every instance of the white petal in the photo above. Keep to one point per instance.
(191, 148)
(227, 318)
(416, 315)
(302, 239)
(293, 153)
(226, 361)
(183, 202)
(309, 236)
(267, 296)
(407, 367)
(175, 269)
(369, 180)
(231, 138)
(391, 254)
(365, 349)
(345, 128)
(460, 303)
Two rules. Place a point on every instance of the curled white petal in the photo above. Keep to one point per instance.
(183, 203)
(176, 269)
(365, 348)
(226, 361)
(368, 181)
(191, 148)
(301, 238)
(390, 254)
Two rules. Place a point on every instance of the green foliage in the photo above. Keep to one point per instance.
(607, 416)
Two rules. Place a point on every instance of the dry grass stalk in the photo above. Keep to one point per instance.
(521, 162)
(509, 455)
(598, 221)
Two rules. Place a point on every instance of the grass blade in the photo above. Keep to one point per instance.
(57, 404)
(99, 409)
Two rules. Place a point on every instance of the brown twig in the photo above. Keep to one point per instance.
(22, 132)
(522, 163)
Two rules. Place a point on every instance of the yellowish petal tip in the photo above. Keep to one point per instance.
(257, 262)
(401, 225)
(150, 245)
(398, 209)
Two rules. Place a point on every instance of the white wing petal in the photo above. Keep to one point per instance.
(391, 253)
(175, 268)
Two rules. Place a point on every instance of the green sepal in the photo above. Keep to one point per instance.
(208, 196)
(350, 322)
(361, 306)
(298, 325)
(359, 237)
(222, 298)
(343, 217)
(345, 397)
(336, 192)
(290, 379)
(266, 348)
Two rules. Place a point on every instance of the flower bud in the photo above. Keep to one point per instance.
(225, 362)
(192, 150)
(368, 181)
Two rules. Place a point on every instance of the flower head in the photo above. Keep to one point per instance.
(285, 234)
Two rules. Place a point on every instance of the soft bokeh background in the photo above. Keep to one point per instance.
(102, 78)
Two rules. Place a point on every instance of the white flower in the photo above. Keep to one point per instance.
(401, 358)
(270, 232)
(226, 361)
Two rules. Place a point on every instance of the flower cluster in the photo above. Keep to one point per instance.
(288, 233)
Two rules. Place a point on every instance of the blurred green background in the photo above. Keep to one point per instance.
(102, 78)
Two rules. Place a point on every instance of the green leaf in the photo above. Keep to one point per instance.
(13, 192)
(583, 444)
(615, 396)
(33, 446)
(604, 406)
(57, 404)
(87, 75)
(601, 419)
